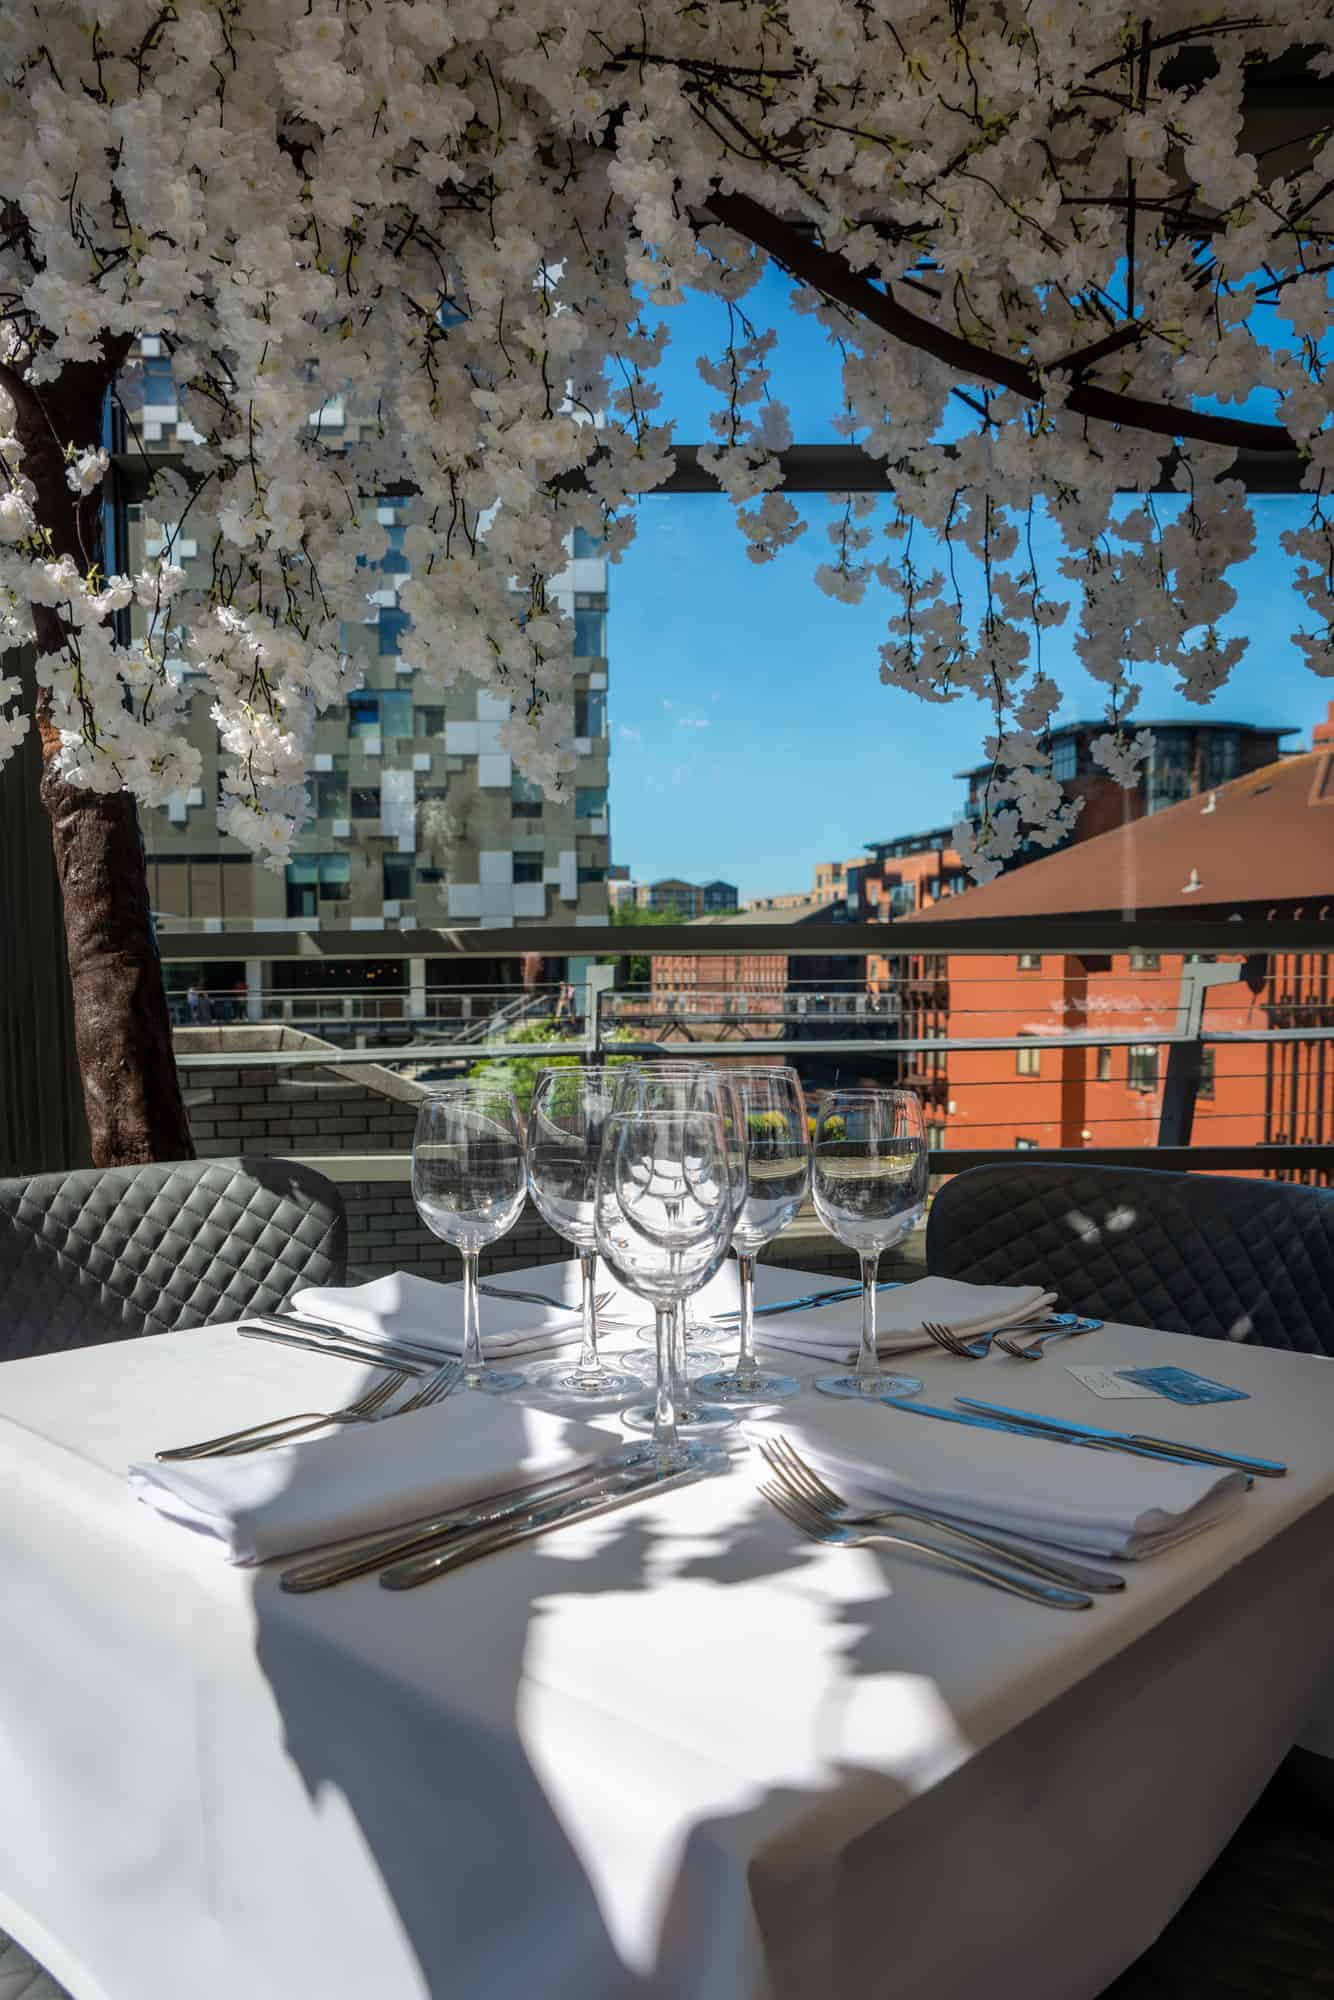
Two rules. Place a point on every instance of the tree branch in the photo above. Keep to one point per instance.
(826, 272)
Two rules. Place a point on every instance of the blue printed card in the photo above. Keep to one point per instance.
(1183, 1385)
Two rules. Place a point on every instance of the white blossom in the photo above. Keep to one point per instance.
(466, 220)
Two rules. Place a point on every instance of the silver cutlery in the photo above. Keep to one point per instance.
(1261, 1468)
(365, 1405)
(621, 1492)
(966, 1347)
(1028, 1430)
(820, 1528)
(364, 1553)
(600, 1302)
(322, 1337)
(792, 1472)
(367, 1408)
(808, 1301)
(1022, 1345)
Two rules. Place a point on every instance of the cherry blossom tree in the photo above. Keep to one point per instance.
(1037, 238)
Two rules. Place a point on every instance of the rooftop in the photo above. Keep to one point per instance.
(812, 910)
(1264, 840)
(1202, 726)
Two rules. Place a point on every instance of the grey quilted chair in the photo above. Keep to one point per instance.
(1191, 1253)
(108, 1254)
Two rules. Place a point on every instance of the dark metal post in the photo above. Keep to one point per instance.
(42, 1125)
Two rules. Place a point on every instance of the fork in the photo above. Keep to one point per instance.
(1031, 1349)
(371, 1399)
(973, 1349)
(367, 1408)
(801, 1479)
(834, 1534)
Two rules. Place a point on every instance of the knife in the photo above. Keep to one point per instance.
(1026, 1430)
(1262, 1468)
(809, 1300)
(578, 1507)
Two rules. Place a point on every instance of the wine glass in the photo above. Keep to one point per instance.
(775, 1178)
(469, 1187)
(664, 1221)
(683, 1088)
(566, 1121)
(869, 1174)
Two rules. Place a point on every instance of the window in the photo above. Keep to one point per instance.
(316, 878)
(1028, 1062)
(1025, 1145)
(1142, 1066)
(1144, 961)
(428, 721)
(903, 899)
(1102, 1065)
(590, 712)
(590, 801)
(935, 1138)
(592, 874)
(526, 798)
(430, 875)
(365, 802)
(1222, 756)
(528, 868)
(1065, 758)
(363, 713)
(1205, 1087)
(398, 873)
(586, 544)
(331, 794)
(393, 624)
(396, 712)
(590, 625)
(1030, 961)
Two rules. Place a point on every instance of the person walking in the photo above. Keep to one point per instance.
(198, 1007)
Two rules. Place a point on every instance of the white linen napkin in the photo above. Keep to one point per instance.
(833, 1331)
(421, 1309)
(1092, 1502)
(365, 1476)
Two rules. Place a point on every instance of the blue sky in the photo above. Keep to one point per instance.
(751, 736)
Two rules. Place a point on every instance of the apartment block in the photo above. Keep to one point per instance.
(417, 817)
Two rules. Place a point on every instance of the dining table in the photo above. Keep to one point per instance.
(676, 1752)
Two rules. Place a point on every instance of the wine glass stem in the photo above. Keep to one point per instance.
(473, 1364)
(588, 1352)
(745, 1371)
(868, 1361)
(678, 1352)
(665, 1435)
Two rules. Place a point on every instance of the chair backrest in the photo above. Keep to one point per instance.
(109, 1253)
(1191, 1253)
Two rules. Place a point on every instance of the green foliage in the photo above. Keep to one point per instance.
(520, 1073)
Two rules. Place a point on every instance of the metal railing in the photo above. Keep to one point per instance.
(613, 1022)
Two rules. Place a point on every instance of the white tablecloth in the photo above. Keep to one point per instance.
(672, 1753)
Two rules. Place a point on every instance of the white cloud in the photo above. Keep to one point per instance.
(628, 734)
(691, 722)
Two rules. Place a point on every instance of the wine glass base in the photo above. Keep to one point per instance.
(687, 1454)
(868, 1388)
(690, 1416)
(761, 1387)
(591, 1385)
(496, 1381)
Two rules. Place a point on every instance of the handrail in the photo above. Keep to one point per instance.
(1077, 937)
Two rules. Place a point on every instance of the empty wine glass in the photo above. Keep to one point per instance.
(664, 1221)
(775, 1162)
(681, 1088)
(469, 1187)
(869, 1174)
(566, 1121)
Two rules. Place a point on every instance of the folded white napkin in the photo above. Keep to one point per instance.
(830, 1331)
(365, 1476)
(1094, 1502)
(411, 1308)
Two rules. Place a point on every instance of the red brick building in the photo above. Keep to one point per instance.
(1262, 845)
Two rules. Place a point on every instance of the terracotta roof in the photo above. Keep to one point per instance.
(1264, 839)
(811, 910)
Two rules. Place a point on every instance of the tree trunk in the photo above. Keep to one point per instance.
(122, 1029)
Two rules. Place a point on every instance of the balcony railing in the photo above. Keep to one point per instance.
(1284, 1083)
